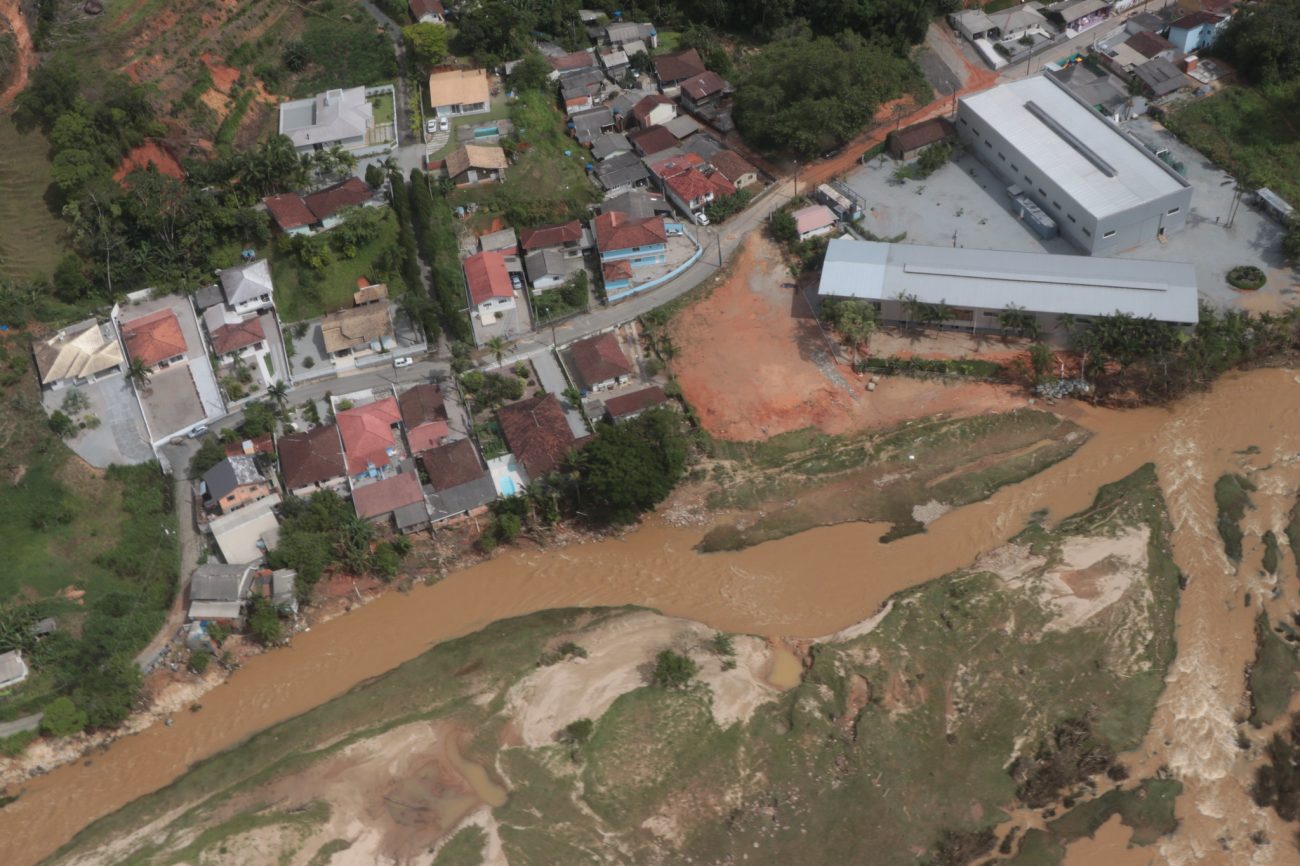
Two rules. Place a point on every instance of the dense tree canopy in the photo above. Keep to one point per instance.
(1263, 41)
(426, 42)
(806, 94)
(629, 468)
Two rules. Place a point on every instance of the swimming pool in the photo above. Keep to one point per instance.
(507, 486)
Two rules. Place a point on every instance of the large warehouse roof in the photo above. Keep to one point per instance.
(1092, 160)
(992, 279)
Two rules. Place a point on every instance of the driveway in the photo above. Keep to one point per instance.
(552, 378)
(121, 436)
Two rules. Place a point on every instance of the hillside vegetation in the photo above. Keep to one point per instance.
(1017, 679)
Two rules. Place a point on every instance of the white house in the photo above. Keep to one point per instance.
(78, 355)
(459, 91)
(342, 117)
(248, 288)
(488, 280)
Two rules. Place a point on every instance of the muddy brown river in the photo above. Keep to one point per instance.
(805, 586)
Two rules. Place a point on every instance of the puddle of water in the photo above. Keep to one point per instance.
(787, 669)
(1109, 847)
(475, 776)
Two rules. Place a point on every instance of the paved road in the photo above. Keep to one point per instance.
(17, 726)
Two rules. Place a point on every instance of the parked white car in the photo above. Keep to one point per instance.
(431, 125)
(402, 362)
(443, 124)
(702, 218)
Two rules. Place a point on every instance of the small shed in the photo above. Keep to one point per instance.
(907, 144)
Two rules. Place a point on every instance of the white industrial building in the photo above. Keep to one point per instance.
(977, 286)
(1102, 189)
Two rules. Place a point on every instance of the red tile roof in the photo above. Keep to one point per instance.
(263, 444)
(422, 404)
(332, 199)
(670, 68)
(387, 495)
(233, 337)
(1149, 44)
(598, 359)
(570, 62)
(1187, 22)
(452, 465)
(921, 134)
(641, 111)
(690, 185)
(637, 401)
(675, 165)
(428, 435)
(651, 140)
(698, 87)
(813, 217)
(311, 457)
(487, 277)
(155, 337)
(721, 185)
(551, 236)
(289, 211)
(424, 7)
(619, 270)
(367, 433)
(616, 231)
(537, 432)
(732, 165)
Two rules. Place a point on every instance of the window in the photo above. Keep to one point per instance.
(1172, 211)
(1001, 157)
(988, 144)
(1109, 234)
(1042, 192)
(1070, 216)
(1056, 204)
(964, 123)
(1088, 233)
(1015, 167)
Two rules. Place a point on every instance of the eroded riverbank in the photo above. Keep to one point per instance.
(807, 585)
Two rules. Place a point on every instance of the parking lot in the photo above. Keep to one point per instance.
(964, 204)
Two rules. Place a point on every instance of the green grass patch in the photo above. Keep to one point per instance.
(1147, 809)
(343, 52)
(1272, 676)
(463, 849)
(929, 366)
(1232, 498)
(1250, 131)
(326, 852)
(1272, 552)
(301, 293)
(31, 237)
(383, 108)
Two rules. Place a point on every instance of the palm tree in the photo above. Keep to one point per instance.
(138, 372)
(279, 392)
(498, 347)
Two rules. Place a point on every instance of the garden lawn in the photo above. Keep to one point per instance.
(1253, 132)
(30, 236)
(331, 289)
(383, 108)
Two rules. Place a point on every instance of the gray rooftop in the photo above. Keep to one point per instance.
(231, 473)
(327, 117)
(1161, 76)
(992, 279)
(636, 203)
(550, 263)
(704, 146)
(12, 667)
(218, 582)
(247, 282)
(505, 239)
(208, 296)
(610, 144)
(462, 497)
(683, 125)
(1063, 137)
(622, 170)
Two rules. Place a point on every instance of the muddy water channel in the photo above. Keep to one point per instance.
(804, 586)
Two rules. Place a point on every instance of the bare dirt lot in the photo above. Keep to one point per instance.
(753, 362)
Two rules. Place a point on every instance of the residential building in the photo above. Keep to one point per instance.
(502, 241)
(1107, 94)
(371, 439)
(1159, 77)
(735, 168)
(1151, 45)
(549, 269)
(978, 286)
(906, 144)
(1079, 15)
(427, 11)
(356, 332)
(457, 92)
(247, 534)
(154, 339)
(476, 163)
(1104, 190)
(264, 444)
(231, 336)
(622, 172)
(248, 288)
(218, 592)
(290, 213)
(651, 140)
(703, 90)
(78, 355)
(615, 63)
(1197, 31)
(13, 670)
(321, 210)
(1010, 23)
(537, 433)
(370, 295)
(488, 282)
(627, 406)
(654, 110)
(610, 144)
(639, 242)
(569, 238)
(234, 483)
(599, 363)
(664, 166)
(313, 461)
(693, 190)
(637, 204)
(683, 126)
(706, 147)
(672, 69)
(814, 221)
(459, 484)
(590, 124)
(583, 83)
(621, 33)
(566, 64)
(424, 414)
(398, 498)
(335, 117)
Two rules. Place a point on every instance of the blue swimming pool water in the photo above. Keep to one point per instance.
(508, 486)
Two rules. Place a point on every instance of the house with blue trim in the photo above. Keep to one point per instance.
(1197, 31)
(626, 245)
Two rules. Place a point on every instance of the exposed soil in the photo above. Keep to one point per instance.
(753, 363)
(25, 60)
(154, 153)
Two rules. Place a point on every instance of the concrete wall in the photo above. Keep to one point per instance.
(1119, 231)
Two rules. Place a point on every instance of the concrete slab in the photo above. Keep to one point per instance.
(121, 436)
(171, 401)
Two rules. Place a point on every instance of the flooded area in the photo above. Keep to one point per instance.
(810, 584)
(787, 669)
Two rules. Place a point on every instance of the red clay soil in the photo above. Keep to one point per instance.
(753, 363)
(150, 153)
(25, 60)
(223, 77)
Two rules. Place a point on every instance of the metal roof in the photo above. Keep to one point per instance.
(992, 279)
(1097, 165)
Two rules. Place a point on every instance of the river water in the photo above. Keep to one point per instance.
(809, 585)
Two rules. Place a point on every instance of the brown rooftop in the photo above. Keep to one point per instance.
(537, 432)
(452, 465)
(311, 457)
(422, 404)
(599, 359)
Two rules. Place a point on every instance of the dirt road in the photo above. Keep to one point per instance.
(26, 59)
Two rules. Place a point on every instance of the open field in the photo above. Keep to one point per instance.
(906, 477)
(956, 679)
(753, 363)
(30, 236)
(330, 289)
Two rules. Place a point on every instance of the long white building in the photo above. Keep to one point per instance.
(1104, 190)
(979, 285)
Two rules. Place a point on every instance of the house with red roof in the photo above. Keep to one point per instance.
(573, 62)
(654, 110)
(625, 407)
(488, 281)
(427, 11)
(537, 433)
(570, 238)
(734, 168)
(295, 214)
(705, 89)
(424, 414)
(372, 443)
(626, 244)
(694, 190)
(599, 363)
(232, 336)
(154, 339)
(649, 140)
(398, 498)
(814, 220)
(673, 69)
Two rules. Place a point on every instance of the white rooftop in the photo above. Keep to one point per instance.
(327, 117)
(992, 279)
(1122, 174)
